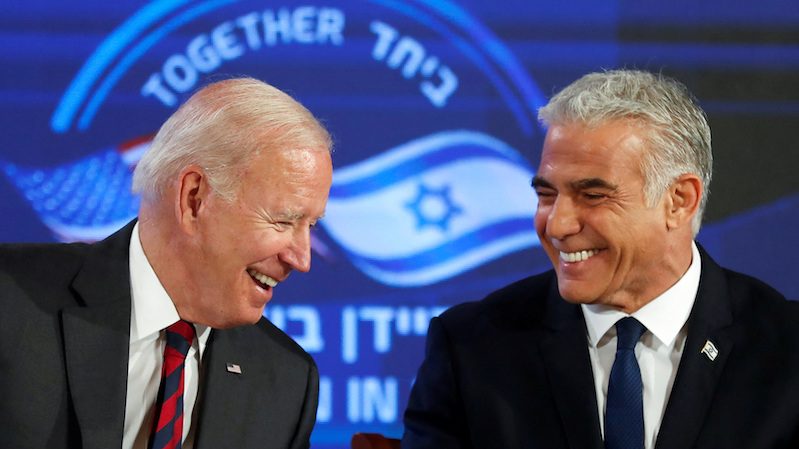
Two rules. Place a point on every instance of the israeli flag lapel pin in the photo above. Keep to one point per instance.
(710, 350)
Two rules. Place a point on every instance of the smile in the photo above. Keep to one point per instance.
(262, 279)
(578, 256)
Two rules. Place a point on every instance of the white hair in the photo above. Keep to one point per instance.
(678, 132)
(221, 128)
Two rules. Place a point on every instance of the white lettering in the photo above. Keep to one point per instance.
(226, 42)
(153, 86)
(411, 57)
(439, 95)
(249, 23)
(277, 25)
(277, 315)
(381, 318)
(179, 73)
(303, 24)
(403, 321)
(370, 398)
(307, 318)
(202, 55)
(354, 399)
(413, 50)
(324, 412)
(206, 52)
(311, 338)
(349, 335)
(385, 37)
(330, 26)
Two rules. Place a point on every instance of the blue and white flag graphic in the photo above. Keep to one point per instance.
(432, 208)
(84, 200)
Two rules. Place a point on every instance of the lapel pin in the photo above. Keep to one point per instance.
(710, 350)
(233, 368)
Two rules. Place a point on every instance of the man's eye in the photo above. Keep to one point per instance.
(594, 196)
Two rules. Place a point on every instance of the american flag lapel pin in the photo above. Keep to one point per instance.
(233, 368)
(710, 350)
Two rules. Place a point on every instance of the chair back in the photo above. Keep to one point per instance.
(373, 441)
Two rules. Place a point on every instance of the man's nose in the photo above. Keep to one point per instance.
(298, 253)
(563, 219)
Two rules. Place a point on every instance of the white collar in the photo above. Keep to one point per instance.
(151, 307)
(664, 316)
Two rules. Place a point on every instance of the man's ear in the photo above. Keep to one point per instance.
(192, 192)
(682, 201)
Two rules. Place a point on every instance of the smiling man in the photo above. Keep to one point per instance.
(636, 338)
(154, 337)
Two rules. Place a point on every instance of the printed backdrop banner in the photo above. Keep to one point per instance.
(432, 105)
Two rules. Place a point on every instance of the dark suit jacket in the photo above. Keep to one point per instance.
(513, 371)
(64, 337)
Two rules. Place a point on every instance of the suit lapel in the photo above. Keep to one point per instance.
(697, 375)
(232, 393)
(568, 365)
(259, 404)
(219, 393)
(96, 342)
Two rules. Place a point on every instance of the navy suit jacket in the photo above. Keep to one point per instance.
(64, 338)
(513, 371)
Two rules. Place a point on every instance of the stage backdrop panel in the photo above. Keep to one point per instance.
(433, 108)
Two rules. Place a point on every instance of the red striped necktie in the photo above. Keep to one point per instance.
(168, 421)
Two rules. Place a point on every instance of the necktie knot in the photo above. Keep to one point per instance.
(628, 332)
(179, 337)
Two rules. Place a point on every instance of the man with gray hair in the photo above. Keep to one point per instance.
(636, 338)
(154, 337)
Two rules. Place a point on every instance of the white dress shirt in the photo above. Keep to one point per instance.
(658, 352)
(152, 311)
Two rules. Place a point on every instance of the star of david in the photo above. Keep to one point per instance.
(433, 207)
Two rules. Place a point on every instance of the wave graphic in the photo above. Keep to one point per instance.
(417, 214)
(432, 208)
(85, 200)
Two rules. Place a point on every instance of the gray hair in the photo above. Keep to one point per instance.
(221, 128)
(679, 135)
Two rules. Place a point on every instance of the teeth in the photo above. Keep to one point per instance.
(262, 278)
(577, 256)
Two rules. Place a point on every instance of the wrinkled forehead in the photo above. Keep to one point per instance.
(294, 172)
(578, 150)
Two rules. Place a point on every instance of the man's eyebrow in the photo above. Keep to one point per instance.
(540, 182)
(582, 184)
(593, 183)
(289, 215)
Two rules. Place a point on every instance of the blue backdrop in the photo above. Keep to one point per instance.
(432, 105)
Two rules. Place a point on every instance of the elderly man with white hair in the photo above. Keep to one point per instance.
(154, 337)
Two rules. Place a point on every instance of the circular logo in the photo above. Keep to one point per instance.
(434, 122)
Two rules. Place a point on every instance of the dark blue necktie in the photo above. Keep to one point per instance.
(624, 415)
